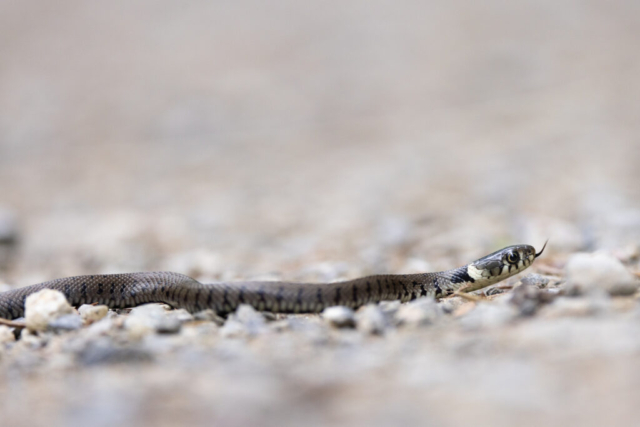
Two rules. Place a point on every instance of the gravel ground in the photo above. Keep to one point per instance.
(252, 140)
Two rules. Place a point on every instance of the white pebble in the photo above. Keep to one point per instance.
(43, 307)
(93, 313)
(590, 272)
(339, 316)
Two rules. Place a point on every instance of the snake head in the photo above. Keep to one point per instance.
(506, 262)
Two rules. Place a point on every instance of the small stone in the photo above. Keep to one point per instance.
(339, 316)
(6, 335)
(590, 272)
(420, 312)
(496, 290)
(93, 313)
(42, 307)
(528, 298)
(68, 322)
(372, 320)
(151, 318)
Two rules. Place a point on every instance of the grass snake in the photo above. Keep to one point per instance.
(180, 291)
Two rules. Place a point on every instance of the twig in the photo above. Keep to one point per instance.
(12, 324)
(468, 296)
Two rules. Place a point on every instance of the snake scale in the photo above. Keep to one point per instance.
(180, 291)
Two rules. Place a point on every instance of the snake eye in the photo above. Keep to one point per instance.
(513, 257)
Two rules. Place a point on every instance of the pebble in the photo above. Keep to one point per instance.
(6, 334)
(93, 313)
(150, 318)
(339, 316)
(45, 306)
(372, 320)
(528, 298)
(68, 322)
(420, 312)
(590, 272)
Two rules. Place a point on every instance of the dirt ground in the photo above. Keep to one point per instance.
(239, 140)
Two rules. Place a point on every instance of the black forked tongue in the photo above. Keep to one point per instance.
(542, 250)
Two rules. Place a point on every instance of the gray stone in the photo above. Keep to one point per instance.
(591, 272)
(68, 322)
(339, 316)
(528, 298)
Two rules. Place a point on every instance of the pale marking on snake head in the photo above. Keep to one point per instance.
(475, 273)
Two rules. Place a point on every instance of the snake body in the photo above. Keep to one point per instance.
(180, 291)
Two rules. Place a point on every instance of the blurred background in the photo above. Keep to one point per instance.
(313, 141)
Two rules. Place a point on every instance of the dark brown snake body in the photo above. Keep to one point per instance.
(180, 291)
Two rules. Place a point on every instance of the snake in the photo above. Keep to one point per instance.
(180, 291)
